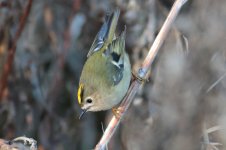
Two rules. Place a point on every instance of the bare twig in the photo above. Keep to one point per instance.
(18, 143)
(215, 83)
(26, 141)
(207, 144)
(8, 65)
(136, 84)
(214, 128)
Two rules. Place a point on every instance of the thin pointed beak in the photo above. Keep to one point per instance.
(82, 113)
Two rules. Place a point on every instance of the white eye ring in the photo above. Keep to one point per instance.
(89, 100)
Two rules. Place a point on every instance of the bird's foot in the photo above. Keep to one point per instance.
(117, 111)
(136, 77)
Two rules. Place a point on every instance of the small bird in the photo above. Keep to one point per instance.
(106, 74)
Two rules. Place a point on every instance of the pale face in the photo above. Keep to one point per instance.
(87, 101)
(87, 104)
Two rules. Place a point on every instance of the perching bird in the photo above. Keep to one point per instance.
(106, 75)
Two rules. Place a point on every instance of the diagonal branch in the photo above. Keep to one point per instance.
(136, 84)
(9, 62)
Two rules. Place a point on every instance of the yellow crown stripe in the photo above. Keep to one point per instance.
(80, 90)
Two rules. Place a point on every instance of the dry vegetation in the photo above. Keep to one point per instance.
(182, 107)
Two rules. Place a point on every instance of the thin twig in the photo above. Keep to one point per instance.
(19, 143)
(213, 129)
(26, 142)
(207, 144)
(215, 83)
(8, 65)
(136, 84)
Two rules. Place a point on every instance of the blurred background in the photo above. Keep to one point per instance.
(181, 107)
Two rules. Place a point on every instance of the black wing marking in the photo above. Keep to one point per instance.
(118, 75)
(115, 54)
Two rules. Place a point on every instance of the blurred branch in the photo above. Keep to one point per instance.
(136, 84)
(11, 52)
(4, 4)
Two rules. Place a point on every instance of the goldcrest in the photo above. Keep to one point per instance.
(106, 75)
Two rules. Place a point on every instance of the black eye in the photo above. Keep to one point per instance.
(89, 100)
